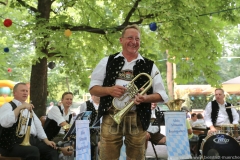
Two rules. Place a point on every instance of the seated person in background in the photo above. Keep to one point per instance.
(192, 138)
(10, 140)
(153, 132)
(185, 109)
(193, 119)
(49, 107)
(216, 113)
(58, 121)
(200, 121)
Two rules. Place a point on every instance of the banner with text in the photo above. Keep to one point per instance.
(83, 150)
(177, 136)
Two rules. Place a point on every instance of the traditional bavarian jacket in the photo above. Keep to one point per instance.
(215, 110)
(113, 68)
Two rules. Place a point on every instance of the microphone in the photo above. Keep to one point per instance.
(62, 144)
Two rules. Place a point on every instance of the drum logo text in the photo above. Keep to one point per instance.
(221, 140)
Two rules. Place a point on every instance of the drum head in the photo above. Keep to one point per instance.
(220, 146)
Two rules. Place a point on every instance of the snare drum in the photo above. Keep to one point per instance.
(230, 129)
(219, 146)
(227, 129)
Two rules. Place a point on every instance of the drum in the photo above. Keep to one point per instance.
(220, 146)
(230, 129)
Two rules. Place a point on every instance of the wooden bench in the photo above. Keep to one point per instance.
(9, 158)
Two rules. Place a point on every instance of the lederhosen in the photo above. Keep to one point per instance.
(113, 68)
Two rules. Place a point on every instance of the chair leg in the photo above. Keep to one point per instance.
(154, 150)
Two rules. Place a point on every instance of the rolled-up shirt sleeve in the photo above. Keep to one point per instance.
(56, 115)
(207, 115)
(158, 86)
(39, 129)
(235, 116)
(98, 73)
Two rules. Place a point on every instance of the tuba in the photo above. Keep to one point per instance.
(126, 99)
(23, 121)
(175, 105)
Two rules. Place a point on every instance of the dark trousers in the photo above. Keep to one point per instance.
(34, 152)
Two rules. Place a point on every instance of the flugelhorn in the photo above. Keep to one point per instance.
(127, 98)
(22, 122)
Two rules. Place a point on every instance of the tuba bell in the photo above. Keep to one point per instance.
(175, 105)
(126, 99)
(23, 121)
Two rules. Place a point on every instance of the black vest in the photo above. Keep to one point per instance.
(215, 110)
(51, 127)
(114, 66)
(90, 107)
(8, 135)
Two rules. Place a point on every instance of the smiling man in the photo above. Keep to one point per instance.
(109, 80)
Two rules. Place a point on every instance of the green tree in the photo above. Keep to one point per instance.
(185, 29)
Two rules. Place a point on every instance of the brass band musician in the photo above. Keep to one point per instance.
(11, 141)
(216, 114)
(58, 121)
(108, 81)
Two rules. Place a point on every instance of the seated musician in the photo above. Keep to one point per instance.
(153, 132)
(58, 121)
(12, 117)
(92, 105)
(216, 113)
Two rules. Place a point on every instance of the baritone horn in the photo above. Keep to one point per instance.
(127, 98)
(22, 122)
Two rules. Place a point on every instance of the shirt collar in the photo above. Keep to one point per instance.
(121, 55)
(17, 102)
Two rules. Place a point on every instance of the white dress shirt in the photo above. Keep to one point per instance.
(222, 115)
(57, 116)
(151, 128)
(99, 74)
(7, 119)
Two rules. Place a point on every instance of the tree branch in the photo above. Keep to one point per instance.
(3, 3)
(130, 13)
(27, 6)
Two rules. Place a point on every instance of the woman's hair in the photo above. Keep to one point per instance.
(65, 93)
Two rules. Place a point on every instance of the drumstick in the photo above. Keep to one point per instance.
(231, 107)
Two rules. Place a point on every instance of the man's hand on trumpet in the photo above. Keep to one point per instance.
(140, 98)
(27, 106)
(116, 91)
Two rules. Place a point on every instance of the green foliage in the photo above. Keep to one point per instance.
(185, 28)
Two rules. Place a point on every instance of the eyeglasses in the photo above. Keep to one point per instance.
(131, 38)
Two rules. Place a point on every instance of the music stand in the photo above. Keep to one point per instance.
(81, 116)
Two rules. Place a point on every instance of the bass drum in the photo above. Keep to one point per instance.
(220, 146)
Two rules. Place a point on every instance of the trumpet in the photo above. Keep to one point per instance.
(126, 99)
(23, 121)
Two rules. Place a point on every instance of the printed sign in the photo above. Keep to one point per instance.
(177, 136)
(83, 148)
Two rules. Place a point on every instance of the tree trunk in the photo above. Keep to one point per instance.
(38, 87)
(170, 79)
(38, 81)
